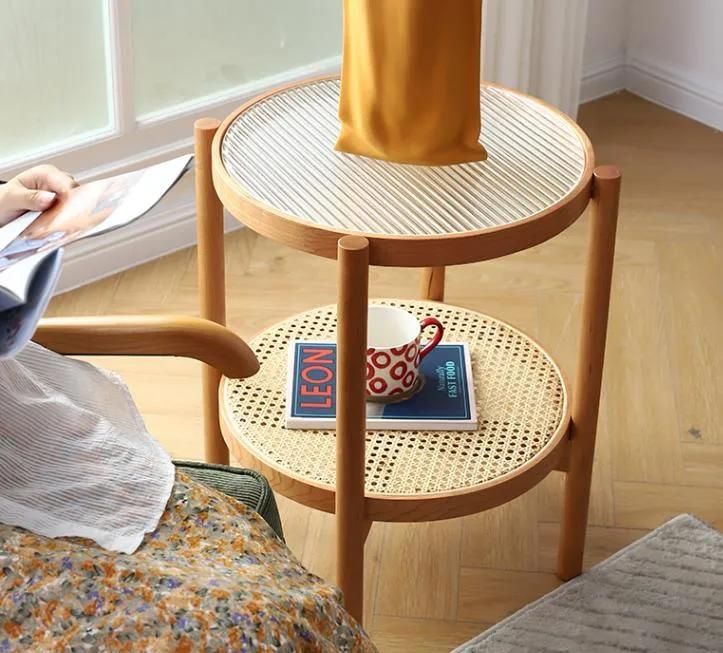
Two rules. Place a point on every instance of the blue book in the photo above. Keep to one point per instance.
(445, 402)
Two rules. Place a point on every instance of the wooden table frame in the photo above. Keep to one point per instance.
(355, 254)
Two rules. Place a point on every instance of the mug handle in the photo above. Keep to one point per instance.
(431, 321)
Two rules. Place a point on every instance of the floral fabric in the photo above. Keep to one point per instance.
(212, 577)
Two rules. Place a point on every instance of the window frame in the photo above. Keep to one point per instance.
(129, 141)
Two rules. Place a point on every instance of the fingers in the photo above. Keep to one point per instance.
(35, 189)
(47, 178)
(19, 198)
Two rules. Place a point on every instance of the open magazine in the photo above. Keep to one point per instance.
(31, 246)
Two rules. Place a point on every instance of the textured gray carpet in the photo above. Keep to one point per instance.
(661, 593)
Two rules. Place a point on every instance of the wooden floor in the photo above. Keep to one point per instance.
(432, 586)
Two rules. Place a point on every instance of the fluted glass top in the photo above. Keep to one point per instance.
(280, 151)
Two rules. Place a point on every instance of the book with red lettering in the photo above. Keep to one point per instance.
(445, 402)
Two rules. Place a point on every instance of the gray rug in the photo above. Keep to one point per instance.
(661, 593)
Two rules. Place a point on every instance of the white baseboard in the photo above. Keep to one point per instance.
(674, 90)
(665, 86)
(602, 79)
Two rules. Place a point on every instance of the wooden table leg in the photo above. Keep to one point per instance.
(586, 391)
(431, 284)
(351, 525)
(211, 282)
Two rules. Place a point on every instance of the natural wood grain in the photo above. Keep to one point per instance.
(671, 208)
(600, 544)
(153, 288)
(211, 271)
(402, 635)
(601, 511)
(559, 323)
(640, 386)
(431, 284)
(647, 505)
(588, 377)
(698, 362)
(428, 553)
(502, 538)
(95, 299)
(349, 508)
(489, 595)
(159, 335)
(702, 463)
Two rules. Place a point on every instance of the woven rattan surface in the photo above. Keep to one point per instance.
(520, 393)
(280, 152)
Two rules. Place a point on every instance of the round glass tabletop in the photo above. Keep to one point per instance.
(276, 157)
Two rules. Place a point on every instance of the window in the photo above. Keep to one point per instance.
(53, 72)
(87, 82)
(185, 50)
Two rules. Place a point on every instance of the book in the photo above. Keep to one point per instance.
(32, 245)
(445, 401)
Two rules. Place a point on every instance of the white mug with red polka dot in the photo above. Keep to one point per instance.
(394, 351)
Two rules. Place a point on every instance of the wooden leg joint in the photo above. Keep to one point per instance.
(211, 278)
(351, 526)
(431, 284)
(588, 380)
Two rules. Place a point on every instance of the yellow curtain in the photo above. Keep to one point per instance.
(410, 81)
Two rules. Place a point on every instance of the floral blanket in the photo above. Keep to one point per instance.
(212, 577)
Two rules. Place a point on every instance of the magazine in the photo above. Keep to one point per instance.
(445, 401)
(31, 245)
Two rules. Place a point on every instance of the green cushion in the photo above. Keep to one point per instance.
(244, 485)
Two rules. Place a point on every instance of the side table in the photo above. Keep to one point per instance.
(272, 165)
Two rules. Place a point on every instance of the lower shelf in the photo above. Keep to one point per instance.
(522, 404)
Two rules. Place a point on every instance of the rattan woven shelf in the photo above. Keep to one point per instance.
(276, 169)
(521, 397)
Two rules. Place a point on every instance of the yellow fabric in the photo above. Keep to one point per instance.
(410, 80)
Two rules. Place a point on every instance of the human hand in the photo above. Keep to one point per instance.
(35, 189)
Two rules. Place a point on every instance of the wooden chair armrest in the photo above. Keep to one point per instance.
(150, 335)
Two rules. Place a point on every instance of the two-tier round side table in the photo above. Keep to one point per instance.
(273, 166)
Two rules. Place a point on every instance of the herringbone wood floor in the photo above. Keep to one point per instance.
(432, 586)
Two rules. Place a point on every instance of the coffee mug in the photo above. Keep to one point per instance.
(394, 351)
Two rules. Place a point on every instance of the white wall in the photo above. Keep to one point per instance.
(668, 51)
(606, 34)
